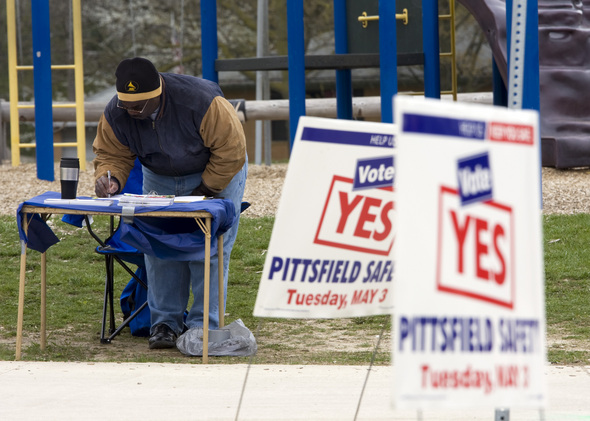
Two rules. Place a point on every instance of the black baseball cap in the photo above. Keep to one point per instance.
(137, 80)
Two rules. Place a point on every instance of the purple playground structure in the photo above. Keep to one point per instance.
(564, 73)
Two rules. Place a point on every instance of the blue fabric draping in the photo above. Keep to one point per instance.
(114, 245)
(40, 236)
(168, 238)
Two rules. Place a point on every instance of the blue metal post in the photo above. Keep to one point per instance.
(532, 97)
(388, 58)
(498, 86)
(42, 88)
(531, 91)
(343, 77)
(296, 50)
(524, 90)
(209, 45)
(431, 48)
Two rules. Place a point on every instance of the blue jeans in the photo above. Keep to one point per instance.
(170, 282)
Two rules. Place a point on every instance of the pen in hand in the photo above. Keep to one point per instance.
(109, 187)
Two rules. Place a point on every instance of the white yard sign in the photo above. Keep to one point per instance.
(330, 251)
(469, 315)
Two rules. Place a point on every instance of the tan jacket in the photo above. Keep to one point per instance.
(196, 131)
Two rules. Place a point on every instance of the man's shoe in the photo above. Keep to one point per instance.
(163, 337)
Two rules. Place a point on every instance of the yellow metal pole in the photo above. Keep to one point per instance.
(453, 51)
(13, 82)
(79, 83)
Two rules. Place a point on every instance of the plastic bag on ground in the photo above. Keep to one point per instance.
(241, 342)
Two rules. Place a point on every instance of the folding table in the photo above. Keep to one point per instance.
(213, 217)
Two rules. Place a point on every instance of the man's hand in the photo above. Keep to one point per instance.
(102, 188)
(203, 190)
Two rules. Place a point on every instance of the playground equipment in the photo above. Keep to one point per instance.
(342, 62)
(564, 82)
(564, 78)
(297, 62)
(43, 93)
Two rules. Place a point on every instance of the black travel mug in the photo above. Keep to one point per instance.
(69, 170)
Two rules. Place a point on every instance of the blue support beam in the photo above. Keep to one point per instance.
(388, 57)
(498, 86)
(523, 73)
(344, 76)
(296, 53)
(431, 48)
(530, 83)
(209, 43)
(43, 89)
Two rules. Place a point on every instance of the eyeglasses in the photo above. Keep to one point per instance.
(137, 109)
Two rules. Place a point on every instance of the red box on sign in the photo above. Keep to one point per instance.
(358, 220)
(475, 249)
(513, 133)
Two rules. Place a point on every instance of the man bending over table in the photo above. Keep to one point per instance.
(189, 141)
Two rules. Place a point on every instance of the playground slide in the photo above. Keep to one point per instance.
(564, 73)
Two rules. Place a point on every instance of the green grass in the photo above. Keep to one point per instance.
(567, 285)
(75, 288)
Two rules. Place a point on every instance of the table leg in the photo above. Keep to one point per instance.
(21, 291)
(206, 291)
(43, 341)
(221, 287)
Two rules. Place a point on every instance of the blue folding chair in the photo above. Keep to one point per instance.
(137, 317)
(114, 250)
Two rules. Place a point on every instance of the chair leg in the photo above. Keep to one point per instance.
(109, 293)
(108, 301)
(125, 323)
(104, 307)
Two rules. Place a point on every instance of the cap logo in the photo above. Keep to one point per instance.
(131, 86)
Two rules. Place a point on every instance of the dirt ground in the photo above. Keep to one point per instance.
(564, 192)
(263, 188)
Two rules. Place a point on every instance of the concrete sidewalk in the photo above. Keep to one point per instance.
(152, 391)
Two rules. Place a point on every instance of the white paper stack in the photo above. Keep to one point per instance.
(80, 202)
(145, 200)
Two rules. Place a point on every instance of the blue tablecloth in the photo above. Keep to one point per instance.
(167, 238)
